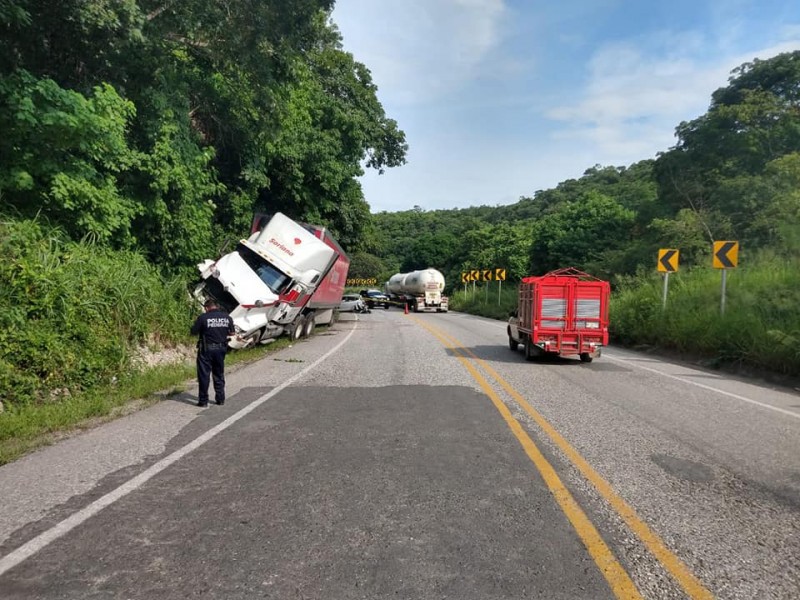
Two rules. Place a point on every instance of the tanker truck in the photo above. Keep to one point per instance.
(419, 290)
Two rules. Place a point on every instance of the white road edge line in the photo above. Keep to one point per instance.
(33, 546)
(707, 387)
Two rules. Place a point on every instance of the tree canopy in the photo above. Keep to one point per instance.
(162, 126)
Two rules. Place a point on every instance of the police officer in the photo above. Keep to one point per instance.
(213, 326)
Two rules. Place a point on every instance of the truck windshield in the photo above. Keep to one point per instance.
(212, 288)
(275, 280)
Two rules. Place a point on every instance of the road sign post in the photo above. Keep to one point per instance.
(664, 295)
(726, 256)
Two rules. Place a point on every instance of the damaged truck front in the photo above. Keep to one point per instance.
(286, 278)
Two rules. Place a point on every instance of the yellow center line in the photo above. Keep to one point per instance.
(616, 576)
(674, 565)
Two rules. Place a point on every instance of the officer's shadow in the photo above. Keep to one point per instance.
(182, 397)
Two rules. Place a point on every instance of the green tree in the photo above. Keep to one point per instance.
(576, 234)
(63, 154)
(364, 265)
(720, 155)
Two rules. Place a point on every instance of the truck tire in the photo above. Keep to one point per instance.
(585, 357)
(309, 326)
(512, 343)
(531, 350)
(296, 330)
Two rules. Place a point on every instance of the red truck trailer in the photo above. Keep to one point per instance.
(564, 312)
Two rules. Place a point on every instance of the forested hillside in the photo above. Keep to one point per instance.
(734, 174)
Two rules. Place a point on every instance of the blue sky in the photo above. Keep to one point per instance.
(501, 98)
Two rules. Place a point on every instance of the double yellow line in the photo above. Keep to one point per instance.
(616, 576)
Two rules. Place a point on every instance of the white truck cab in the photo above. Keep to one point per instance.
(266, 282)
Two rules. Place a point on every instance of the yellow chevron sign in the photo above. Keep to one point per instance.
(499, 274)
(486, 275)
(726, 255)
(668, 260)
(464, 277)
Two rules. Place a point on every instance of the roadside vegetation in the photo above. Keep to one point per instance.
(734, 174)
(759, 332)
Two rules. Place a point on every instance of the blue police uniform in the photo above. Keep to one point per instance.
(213, 327)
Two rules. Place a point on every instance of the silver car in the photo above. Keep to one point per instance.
(352, 303)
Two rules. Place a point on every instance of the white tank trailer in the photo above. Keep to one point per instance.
(419, 290)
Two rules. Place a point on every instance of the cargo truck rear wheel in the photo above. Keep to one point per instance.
(531, 350)
(586, 357)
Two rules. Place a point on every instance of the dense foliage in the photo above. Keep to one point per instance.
(161, 127)
(139, 135)
(75, 312)
(759, 330)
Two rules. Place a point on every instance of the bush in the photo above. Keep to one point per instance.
(76, 312)
(486, 303)
(759, 328)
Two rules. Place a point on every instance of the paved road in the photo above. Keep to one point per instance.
(417, 456)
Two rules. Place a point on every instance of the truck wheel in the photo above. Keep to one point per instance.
(512, 343)
(296, 331)
(586, 357)
(309, 326)
(531, 351)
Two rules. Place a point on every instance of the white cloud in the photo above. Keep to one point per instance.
(632, 101)
(420, 50)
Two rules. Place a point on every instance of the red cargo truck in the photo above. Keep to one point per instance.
(564, 312)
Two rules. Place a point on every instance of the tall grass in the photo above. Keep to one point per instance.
(493, 301)
(760, 327)
(75, 312)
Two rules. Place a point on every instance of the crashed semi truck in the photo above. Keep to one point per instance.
(419, 290)
(286, 278)
(564, 312)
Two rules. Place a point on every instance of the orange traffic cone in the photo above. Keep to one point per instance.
(406, 307)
